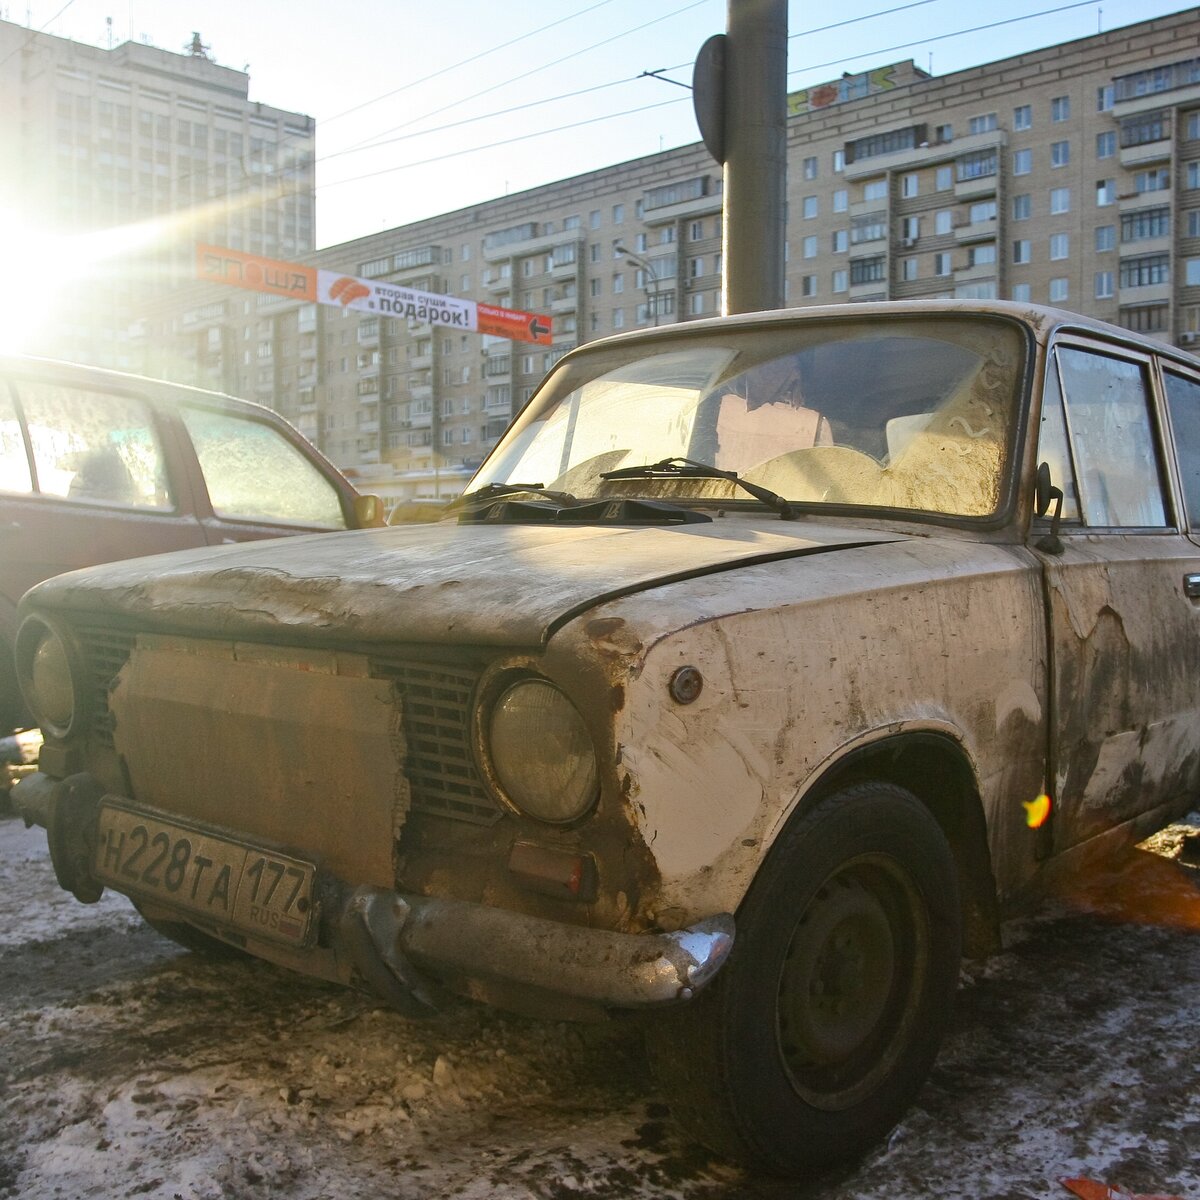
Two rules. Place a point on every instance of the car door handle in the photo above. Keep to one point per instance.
(1191, 586)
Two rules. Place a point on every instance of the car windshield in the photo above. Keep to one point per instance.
(911, 413)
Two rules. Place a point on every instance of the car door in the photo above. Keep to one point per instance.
(1124, 633)
(259, 481)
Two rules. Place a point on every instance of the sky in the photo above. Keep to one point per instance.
(425, 108)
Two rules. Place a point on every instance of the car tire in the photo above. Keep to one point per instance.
(823, 1025)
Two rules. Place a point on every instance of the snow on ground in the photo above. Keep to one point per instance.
(129, 1067)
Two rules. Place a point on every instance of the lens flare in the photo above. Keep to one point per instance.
(1037, 812)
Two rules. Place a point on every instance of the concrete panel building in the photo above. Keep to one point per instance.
(95, 139)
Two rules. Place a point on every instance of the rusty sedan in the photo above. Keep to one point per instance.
(765, 665)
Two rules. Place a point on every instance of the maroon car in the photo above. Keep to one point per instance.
(97, 466)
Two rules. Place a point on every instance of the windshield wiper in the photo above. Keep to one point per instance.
(690, 468)
(490, 491)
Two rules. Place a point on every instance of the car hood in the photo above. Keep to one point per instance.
(482, 585)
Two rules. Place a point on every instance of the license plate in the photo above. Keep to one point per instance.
(239, 886)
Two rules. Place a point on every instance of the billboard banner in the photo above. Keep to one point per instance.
(215, 264)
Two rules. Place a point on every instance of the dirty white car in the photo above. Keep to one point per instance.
(764, 665)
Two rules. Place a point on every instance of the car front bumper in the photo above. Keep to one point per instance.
(403, 947)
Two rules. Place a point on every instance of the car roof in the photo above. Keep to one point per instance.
(1042, 320)
(153, 389)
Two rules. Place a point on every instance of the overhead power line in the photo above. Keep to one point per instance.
(34, 32)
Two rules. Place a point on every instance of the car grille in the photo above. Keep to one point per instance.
(435, 704)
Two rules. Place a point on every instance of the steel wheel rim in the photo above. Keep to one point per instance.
(851, 981)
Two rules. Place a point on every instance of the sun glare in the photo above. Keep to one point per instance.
(46, 269)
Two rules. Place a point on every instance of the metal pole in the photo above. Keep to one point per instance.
(755, 203)
(636, 260)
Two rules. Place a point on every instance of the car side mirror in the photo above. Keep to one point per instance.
(368, 512)
(1045, 495)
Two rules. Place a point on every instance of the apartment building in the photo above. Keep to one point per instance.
(1068, 175)
(134, 136)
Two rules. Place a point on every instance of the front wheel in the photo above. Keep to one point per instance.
(820, 1030)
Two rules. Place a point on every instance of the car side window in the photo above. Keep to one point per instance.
(1053, 448)
(1183, 403)
(14, 464)
(1112, 439)
(254, 473)
(94, 447)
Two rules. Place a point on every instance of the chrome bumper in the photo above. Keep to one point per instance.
(398, 945)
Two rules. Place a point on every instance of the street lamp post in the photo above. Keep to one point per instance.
(636, 260)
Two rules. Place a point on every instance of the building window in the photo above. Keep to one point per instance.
(869, 228)
(1151, 318)
(840, 281)
(839, 161)
(867, 270)
(981, 256)
(1144, 128)
(982, 124)
(877, 189)
(910, 230)
(618, 318)
(1148, 223)
(1023, 251)
(1060, 290)
(1060, 108)
(943, 134)
(1106, 143)
(1193, 174)
(1104, 285)
(1022, 292)
(618, 214)
(1060, 154)
(1156, 180)
(1023, 117)
(810, 167)
(943, 221)
(1022, 162)
(942, 264)
(696, 303)
(977, 166)
(908, 269)
(1106, 237)
(910, 186)
(810, 246)
(841, 241)
(944, 179)
(810, 207)
(1146, 271)
(696, 231)
(841, 200)
(1193, 126)
(695, 268)
(1060, 246)
(1193, 223)
(1106, 97)
(808, 285)
(1060, 200)
(1106, 192)
(1191, 272)
(1022, 207)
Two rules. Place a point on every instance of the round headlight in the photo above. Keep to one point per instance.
(541, 753)
(49, 687)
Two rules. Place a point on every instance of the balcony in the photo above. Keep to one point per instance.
(876, 289)
(1135, 249)
(983, 185)
(1132, 201)
(565, 304)
(365, 427)
(501, 285)
(420, 362)
(421, 391)
(1154, 293)
(975, 274)
(421, 420)
(923, 156)
(1145, 154)
(699, 207)
(975, 231)
(533, 245)
(566, 270)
